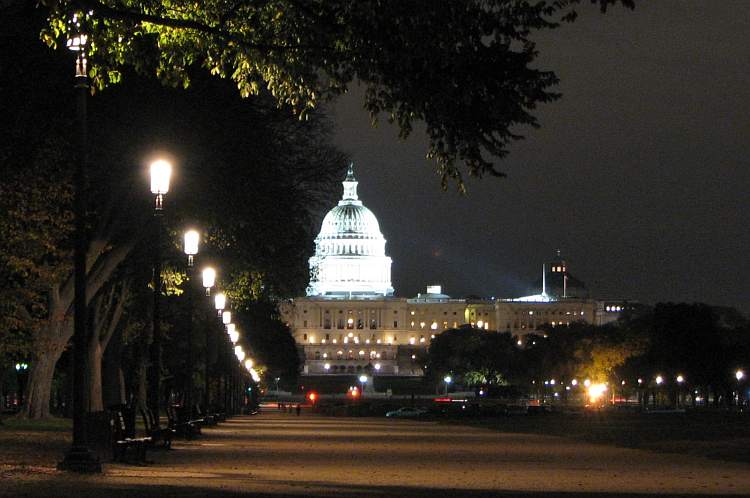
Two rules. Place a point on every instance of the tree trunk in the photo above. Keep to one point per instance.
(94, 379)
(39, 386)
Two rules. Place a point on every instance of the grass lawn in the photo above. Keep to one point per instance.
(719, 435)
(33, 443)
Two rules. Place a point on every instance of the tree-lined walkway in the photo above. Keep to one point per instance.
(282, 454)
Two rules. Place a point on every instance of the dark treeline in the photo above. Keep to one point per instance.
(703, 345)
(250, 176)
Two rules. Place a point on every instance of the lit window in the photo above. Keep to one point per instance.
(422, 324)
(361, 353)
(421, 339)
(412, 313)
(350, 334)
(434, 326)
(412, 340)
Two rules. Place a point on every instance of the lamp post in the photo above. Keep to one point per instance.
(161, 171)
(362, 382)
(79, 458)
(192, 238)
(209, 279)
(739, 375)
(240, 354)
(447, 379)
(220, 302)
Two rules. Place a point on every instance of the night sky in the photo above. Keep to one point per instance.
(639, 175)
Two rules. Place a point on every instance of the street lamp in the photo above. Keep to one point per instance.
(239, 353)
(161, 171)
(362, 382)
(447, 379)
(209, 279)
(234, 336)
(79, 458)
(220, 302)
(226, 317)
(192, 238)
(739, 375)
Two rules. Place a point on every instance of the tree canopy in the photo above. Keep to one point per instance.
(464, 69)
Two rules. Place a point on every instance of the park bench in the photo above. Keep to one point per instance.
(122, 441)
(180, 425)
(158, 435)
(206, 419)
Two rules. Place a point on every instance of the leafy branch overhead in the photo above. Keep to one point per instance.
(463, 68)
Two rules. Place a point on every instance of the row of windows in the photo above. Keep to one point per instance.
(362, 354)
(351, 338)
(347, 368)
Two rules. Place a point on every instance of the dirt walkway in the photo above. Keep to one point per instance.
(281, 454)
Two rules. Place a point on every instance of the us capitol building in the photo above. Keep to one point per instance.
(350, 322)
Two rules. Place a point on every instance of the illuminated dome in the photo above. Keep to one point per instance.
(350, 255)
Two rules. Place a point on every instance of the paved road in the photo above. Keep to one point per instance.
(281, 454)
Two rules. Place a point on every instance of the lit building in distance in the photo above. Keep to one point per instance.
(350, 322)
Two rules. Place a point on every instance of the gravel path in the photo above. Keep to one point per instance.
(284, 455)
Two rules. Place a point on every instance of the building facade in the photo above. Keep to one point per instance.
(350, 322)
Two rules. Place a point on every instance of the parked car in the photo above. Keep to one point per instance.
(406, 412)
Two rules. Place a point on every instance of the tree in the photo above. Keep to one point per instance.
(473, 85)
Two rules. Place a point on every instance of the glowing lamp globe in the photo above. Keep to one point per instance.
(192, 238)
(161, 171)
(226, 317)
(239, 353)
(249, 364)
(254, 375)
(234, 336)
(209, 277)
(231, 327)
(220, 301)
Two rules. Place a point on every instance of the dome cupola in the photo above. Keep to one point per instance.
(350, 257)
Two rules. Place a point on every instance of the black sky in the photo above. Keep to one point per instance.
(639, 174)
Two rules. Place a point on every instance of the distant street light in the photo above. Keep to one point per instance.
(220, 302)
(209, 279)
(226, 317)
(362, 382)
(739, 375)
(680, 379)
(239, 353)
(659, 380)
(447, 380)
(161, 172)
(192, 239)
(79, 458)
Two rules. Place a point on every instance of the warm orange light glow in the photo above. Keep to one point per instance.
(596, 391)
